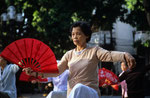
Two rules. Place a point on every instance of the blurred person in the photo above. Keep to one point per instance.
(123, 83)
(60, 85)
(135, 80)
(7, 79)
(82, 61)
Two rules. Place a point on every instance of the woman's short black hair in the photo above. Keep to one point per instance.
(85, 27)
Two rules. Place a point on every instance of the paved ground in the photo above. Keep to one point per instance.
(32, 96)
(41, 96)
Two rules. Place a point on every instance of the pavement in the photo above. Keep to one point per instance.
(32, 96)
(41, 96)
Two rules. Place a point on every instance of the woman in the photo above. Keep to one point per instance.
(123, 82)
(82, 63)
(135, 80)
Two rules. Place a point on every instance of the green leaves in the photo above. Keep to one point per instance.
(147, 43)
(131, 4)
(136, 15)
(26, 5)
(50, 20)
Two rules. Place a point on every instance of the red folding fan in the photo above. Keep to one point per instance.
(29, 52)
(115, 87)
(107, 77)
(27, 78)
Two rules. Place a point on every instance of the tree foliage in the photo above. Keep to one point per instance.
(107, 11)
(137, 15)
(50, 20)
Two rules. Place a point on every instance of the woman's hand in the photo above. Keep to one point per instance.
(50, 85)
(30, 72)
(130, 60)
(105, 85)
(34, 81)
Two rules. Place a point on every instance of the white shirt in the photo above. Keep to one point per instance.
(60, 82)
(8, 80)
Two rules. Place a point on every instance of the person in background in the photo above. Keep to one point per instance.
(7, 79)
(60, 85)
(82, 61)
(123, 84)
(135, 80)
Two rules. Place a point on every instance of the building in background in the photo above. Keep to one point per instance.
(124, 37)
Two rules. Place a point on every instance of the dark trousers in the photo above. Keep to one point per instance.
(4, 95)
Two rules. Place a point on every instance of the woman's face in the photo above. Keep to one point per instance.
(78, 37)
(123, 67)
(2, 61)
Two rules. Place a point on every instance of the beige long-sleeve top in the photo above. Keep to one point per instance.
(83, 67)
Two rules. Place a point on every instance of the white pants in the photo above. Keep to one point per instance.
(57, 94)
(82, 91)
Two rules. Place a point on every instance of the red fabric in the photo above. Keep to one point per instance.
(107, 77)
(115, 87)
(31, 53)
(27, 78)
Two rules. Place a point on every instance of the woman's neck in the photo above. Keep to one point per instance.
(3, 66)
(79, 48)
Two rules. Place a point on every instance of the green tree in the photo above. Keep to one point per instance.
(107, 11)
(137, 15)
(50, 20)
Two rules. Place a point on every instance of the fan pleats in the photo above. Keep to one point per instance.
(29, 52)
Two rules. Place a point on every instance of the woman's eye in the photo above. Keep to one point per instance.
(77, 34)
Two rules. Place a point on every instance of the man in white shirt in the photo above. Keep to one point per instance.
(60, 85)
(7, 79)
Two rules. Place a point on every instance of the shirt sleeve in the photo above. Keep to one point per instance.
(15, 68)
(63, 64)
(109, 56)
(49, 79)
